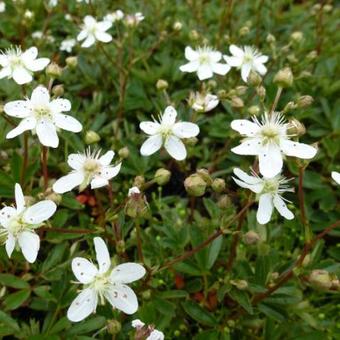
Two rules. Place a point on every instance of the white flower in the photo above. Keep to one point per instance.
(269, 192)
(18, 224)
(137, 323)
(42, 116)
(93, 30)
(88, 167)
(155, 335)
(21, 65)
(67, 45)
(169, 133)
(133, 191)
(247, 59)
(103, 283)
(268, 140)
(204, 61)
(336, 176)
(53, 3)
(2, 7)
(114, 16)
(201, 102)
(134, 19)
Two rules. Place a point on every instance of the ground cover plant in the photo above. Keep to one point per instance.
(169, 169)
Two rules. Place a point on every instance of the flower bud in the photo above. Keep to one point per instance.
(296, 36)
(295, 128)
(239, 284)
(237, 102)
(254, 79)
(222, 94)
(195, 185)
(58, 90)
(224, 202)
(56, 198)
(136, 205)
(191, 141)
(320, 278)
(270, 38)
(120, 247)
(241, 90)
(124, 152)
(193, 35)
(162, 176)
(312, 55)
(254, 110)
(146, 295)
(218, 185)
(91, 137)
(162, 84)
(284, 78)
(204, 174)
(289, 107)
(72, 61)
(212, 83)
(53, 70)
(327, 8)
(139, 181)
(244, 30)
(261, 92)
(304, 101)
(177, 26)
(251, 237)
(113, 326)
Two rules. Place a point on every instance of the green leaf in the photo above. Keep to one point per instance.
(199, 314)
(88, 325)
(173, 294)
(54, 257)
(262, 269)
(15, 300)
(8, 321)
(214, 250)
(242, 298)
(10, 280)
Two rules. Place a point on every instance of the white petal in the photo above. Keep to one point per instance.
(192, 66)
(262, 59)
(4, 60)
(30, 54)
(37, 64)
(221, 69)
(104, 25)
(246, 178)
(83, 305)
(89, 20)
(10, 244)
(151, 128)
(39, 212)
(98, 182)
(270, 161)
(6, 214)
(102, 254)
(151, 145)
(204, 72)
(233, 61)
(245, 70)
(137, 323)
(84, 270)
(60, 105)
(109, 172)
(82, 35)
(123, 298)
(106, 158)
(21, 75)
(281, 207)
(28, 123)
(215, 56)
(47, 133)
(29, 243)
(18, 109)
(169, 116)
(185, 130)
(264, 212)
(67, 122)
(19, 198)
(175, 148)
(251, 147)
(336, 176)
(155, 335)
(76, 161)
(245, 127)
(127, 272)
(260, 68)
(68, 182)
(40, 96)
(103, 36)
(89, 41)
(5, 72)
(190, 54)
(236, 51)
(257, 188)
(295, 149)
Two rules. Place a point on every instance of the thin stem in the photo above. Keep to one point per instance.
(276, 100)
(25, 160)
(67, 231)
(301, 195)
(44, 166)
(139, 240)
(226, 15)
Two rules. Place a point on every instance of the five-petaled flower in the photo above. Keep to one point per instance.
(268, 140)
(93, 30)
(336, 176)
(103, 283)
(247, 59)
(21, 65)
(43, 116)
(269, 192)
(88, 168)
(19, 224)
(205, 61)
(169, 133)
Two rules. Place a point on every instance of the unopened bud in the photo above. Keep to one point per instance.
(56, 198)
(72, 61)
(162, 84)
(295, 128)
(312, 55)
(162, 176)
(91, 137)
(320, 278)
(304, 101)
(222, 94)
(237, 102)
(224, 202)
(212, 83)
(284, 78)
(218, 185)
(195, 185)
(327, 8)
(136, 205)
(193, 35)
(204, 174)
(254, 110)
(146, 295)
(191, 141)
(289, 107)
(120, 247)
(244, 30)
(53, 70)
(261, 92)
(296, 36)
(241, 90)
(239, 284)
(139, 181)
(124, 152)
(58, 90)
(254, 79)
(177, 26)
(270, 38)
(251, 237)
(113, 326)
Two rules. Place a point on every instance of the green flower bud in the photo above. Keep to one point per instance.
(113, 326)
(241, 90)
(58, 90)
(177, 26)
(139, 181)
(72, 62)
(261, 92)
(289, 107)
(162, 84)
(295, 128)
(244, 30)
(254, 110)
(270, 38)
(237, 102)
(204, 174)
(239, 284)
(193, 35)
(91, 137)
(191, 141)
(124, 152)
(254, 79)
(53, 70)
(218, 185)
(195, 185)
(120, 247)
(212, 83)
(146, 295)
(320, 278)
(251, 237)
(296, 36)
(284, 78)
(304, 101)
(162, 176)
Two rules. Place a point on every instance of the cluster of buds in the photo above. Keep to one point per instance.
(322, 279)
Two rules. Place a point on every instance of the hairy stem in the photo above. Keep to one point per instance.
(44, 155)
(25, 159)
(276, 100)
(139, 240)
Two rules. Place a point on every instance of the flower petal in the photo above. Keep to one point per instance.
(150, 128)
(67, 122)
(37, 64)
(260, 68)
(270, 161)
(245, 70)
(10, 244)
(40, 96)
(336, 176)
(109, 172)
(103, 36)
(169, 116)
(251, 147)
(76, 161)
(127, 272)
(60, 105)
(102, 254)
(82, 35)
(185, 130)
(106, 158)
(98, 182)
(83, 305)
(68, 182)
(19, 198)
(236, 51)
(204, 72)
(281, 207)
(18, 109)
(233, 61)
(257, 188)
(29, 243)
(123, 298)
(221, 69)
(30, 54)
(89, 41)
(245, 127)
(39, 212)
(47, 133)
(245, 177)
(21, 75)
(28, 123)
(104, 25)
(265, 210)
(262, 59)
(191, 54)
(175, 148)
(6, 214)
(295, 149)
(192, 66)
(5, 72)
(84, 270)
(151, 145)
(89, 20)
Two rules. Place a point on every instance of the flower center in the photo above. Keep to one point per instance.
(204, 58)
(166, 131)
(271, 186)
(248, 58)
(91, 166)
(15, 61)
(100, 284)
(42, 112)
(16, 225)
(270, 134)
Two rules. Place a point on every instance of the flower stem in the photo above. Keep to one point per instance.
(276, 100)
(25, 160)
(139, 240)
(44, 156)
